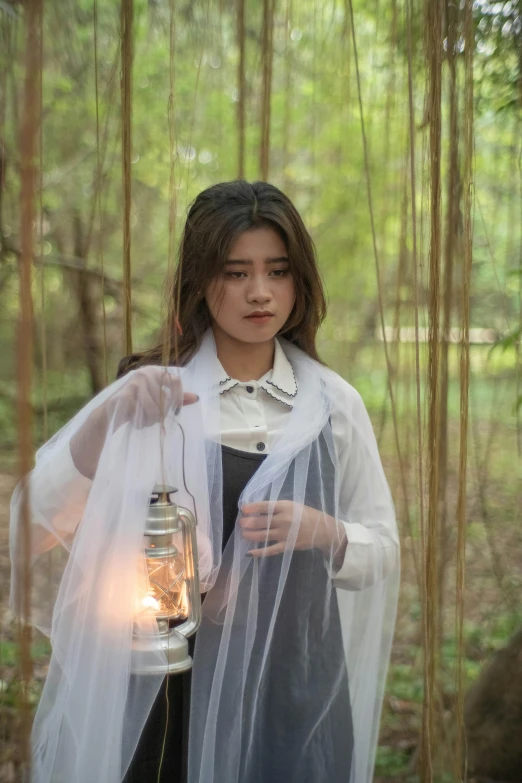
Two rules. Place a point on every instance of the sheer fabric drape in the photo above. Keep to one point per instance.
(291, 653)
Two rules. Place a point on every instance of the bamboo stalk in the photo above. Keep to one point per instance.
(266, 89)
(434, 49)
(126, 21)
(29, 139)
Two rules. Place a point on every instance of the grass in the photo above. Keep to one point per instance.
(9, 665)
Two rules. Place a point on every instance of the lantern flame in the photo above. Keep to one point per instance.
(149, 602)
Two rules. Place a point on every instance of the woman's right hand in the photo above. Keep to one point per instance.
(144, 399)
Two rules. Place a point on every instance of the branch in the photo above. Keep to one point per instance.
(112, 286)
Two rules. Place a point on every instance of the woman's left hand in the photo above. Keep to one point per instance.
(315, 528)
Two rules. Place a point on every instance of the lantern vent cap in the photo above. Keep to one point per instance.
(162, 517)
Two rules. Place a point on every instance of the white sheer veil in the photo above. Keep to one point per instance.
(281, 636)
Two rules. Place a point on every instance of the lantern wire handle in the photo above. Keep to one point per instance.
(183, 471)
(167, 677)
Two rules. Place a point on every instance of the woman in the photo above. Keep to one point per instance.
(297, 537)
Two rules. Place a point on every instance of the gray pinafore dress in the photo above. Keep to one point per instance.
(293, 693)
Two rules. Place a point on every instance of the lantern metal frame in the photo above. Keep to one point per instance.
(165, 518)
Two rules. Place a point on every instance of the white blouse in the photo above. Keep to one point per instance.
(252, 413)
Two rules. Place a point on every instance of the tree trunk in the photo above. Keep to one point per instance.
(493, 717)
(87, 307)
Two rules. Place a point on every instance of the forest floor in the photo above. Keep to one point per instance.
(494, 544)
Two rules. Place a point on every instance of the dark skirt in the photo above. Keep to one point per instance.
(161, 755)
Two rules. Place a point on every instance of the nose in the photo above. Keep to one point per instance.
(259, 290)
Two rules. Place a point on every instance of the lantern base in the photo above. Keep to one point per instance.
(149, 653)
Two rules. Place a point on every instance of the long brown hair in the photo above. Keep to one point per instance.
(215, 220)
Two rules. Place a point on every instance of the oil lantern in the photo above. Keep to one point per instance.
(171, 587)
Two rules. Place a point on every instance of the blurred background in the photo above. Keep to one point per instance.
(395, 126)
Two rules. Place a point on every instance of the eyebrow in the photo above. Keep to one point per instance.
(248, 262)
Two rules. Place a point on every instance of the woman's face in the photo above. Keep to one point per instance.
(253, 297)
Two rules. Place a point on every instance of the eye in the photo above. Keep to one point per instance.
(235, 275)
(280, 272)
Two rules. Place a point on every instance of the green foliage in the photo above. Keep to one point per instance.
(9, 662)
(9, 651)
(390, 762)
(509, 340)
(405, 683)
(498, 28)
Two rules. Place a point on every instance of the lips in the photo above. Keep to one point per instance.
(260, 317)
(260, 314)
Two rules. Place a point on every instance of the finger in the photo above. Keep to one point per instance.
(147, 386)
(268, 551)
(166, 389)
(264, 535)
(253, 523)
(173, 382)
(262, 507)
(146, 405)
(189, 398)
(163, 394)
(149, 409)
(140, 413)
(134, 402)
(161, 384)
(170, 390)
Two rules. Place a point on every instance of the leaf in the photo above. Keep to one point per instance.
(508, 340)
